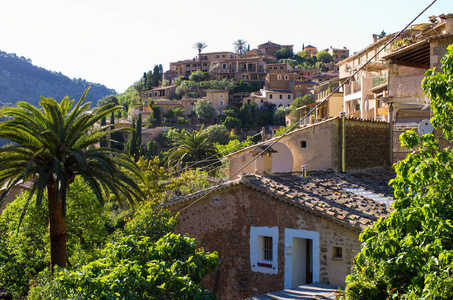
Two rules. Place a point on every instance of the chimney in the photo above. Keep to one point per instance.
(264, 162)
(304, 170)
(449, 23)
(433, 19)
(374, 38)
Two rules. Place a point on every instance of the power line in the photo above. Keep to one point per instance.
(312, 110)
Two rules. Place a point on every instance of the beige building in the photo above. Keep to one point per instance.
(338, 54)
(358, 98)
(219, 99)
(334, 105)
(317, 146)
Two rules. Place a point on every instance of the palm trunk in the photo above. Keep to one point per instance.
(199, 58)
(57, 229)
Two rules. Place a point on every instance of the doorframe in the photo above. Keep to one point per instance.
(304, 234)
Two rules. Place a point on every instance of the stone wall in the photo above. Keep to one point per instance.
(438, 48)
(224, 226)
(367, 145)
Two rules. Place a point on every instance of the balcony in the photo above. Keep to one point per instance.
(378, 81)
(352, 88)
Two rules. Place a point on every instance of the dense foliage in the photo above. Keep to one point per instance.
(193, 150)
(24, 250)
(51, 147)
(409, 255)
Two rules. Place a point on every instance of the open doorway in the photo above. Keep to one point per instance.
(302, 262)
(301, 257)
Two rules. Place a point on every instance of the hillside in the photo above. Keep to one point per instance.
(20, 80)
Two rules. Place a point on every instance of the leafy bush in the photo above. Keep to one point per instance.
(411, 251)
(146, 262)
(24, 250)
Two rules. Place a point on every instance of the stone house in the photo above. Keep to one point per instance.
(159, 93)
(279, 68)
(186, 67)
(246, 69)
(320, 146)
(276, 231)
(312, 49)
(270, 48)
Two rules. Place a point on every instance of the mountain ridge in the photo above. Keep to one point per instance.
(20, 80)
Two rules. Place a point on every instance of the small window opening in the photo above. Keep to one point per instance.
(337, 252)
(303, 144)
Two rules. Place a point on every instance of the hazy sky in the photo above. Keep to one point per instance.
(113, 42)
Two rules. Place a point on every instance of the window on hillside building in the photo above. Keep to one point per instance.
(263, 249)
(286, 77)
(289, 97)
(279, 77)
(281, 96)
(303, 144)
(270, 96)
(224, 66)
(267, 248)
(298, 95)
(221, 102)
(221, 96)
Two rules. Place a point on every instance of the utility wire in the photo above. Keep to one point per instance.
(312, 110)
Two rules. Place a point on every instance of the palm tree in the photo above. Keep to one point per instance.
(200, 46)
(193, 150)
(239, 46)
(54, 144)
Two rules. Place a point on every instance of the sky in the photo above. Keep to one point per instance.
(112, 42)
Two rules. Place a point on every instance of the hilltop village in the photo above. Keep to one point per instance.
(300, 168)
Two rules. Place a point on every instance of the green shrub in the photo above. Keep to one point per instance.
(365, 290)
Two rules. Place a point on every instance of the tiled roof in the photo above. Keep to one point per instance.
(440, 36)
(325, 193)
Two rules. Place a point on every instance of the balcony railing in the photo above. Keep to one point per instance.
(378, 81)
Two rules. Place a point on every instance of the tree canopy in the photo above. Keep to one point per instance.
(54, 145)
(324, 57)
